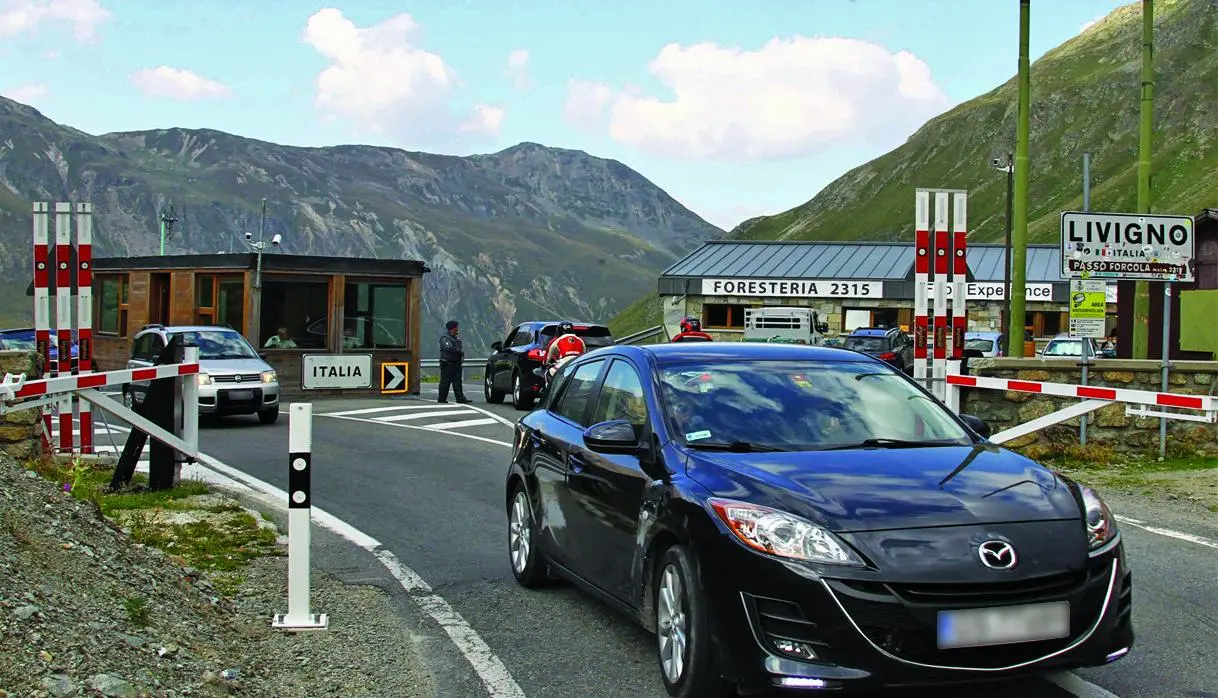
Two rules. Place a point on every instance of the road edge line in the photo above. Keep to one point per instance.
(1078, 686)
(1169, 533)
(490, 670)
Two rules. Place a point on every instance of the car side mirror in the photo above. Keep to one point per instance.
(496, 346)
(540, 373)
(262, 355)
(822, 327)
(615, 437)
(977, 424)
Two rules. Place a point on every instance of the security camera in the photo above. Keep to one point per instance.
(997, 162)
(277, 239)
(249, 236)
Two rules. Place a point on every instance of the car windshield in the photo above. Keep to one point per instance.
(801, 406)
(220, 344)
(867, 345)
(594, 336)
(1064, 347)
(21, 341)
(979, 344)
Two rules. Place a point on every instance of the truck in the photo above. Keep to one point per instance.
(784, 324)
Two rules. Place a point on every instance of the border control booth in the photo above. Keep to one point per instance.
(327, 325)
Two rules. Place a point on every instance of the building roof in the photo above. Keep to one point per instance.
(875, 261)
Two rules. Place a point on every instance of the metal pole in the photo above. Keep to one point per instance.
(1019, 234)
(190, 402)
(1006, 272)
(300, 503)
(162, 236)
(1164, 361)
(1141, 297)
(256, 302)
(1082, 419)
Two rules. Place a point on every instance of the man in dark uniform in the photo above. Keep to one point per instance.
(451, 357)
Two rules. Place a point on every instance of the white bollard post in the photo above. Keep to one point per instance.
(190, 404)
(952, 392)
(300, 502)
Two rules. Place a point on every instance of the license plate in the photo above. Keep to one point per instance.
(1002, 626)
(239, 395)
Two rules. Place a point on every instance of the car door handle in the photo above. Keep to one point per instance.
(575, 464)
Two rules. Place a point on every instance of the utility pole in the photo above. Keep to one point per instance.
(1141, 296)
(1019, 232)
(167, 221)
(255, 324)
(1006, 258)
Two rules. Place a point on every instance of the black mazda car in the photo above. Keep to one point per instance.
(808, 518)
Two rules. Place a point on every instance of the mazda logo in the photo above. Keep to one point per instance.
(997, 554)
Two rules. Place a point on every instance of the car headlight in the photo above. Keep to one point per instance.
(269, 377)
(1101, 524)
(203, 379)
(784, 535)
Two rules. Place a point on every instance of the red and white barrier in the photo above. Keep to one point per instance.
(921, 279)
(1088, 392)
(73, 313)
(948, 246)
(68, 384)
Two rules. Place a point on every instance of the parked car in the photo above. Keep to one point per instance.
(1063, 346)
(233, 379)
(25, 339)
(885, 343)
(988, 343)
(808, 517)
(509, 368)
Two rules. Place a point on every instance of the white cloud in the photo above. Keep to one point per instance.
(788, 98)
(27, 94)
(382, 81)
(28, 16)
(178, 84)
(1088, 25)
(518, 68)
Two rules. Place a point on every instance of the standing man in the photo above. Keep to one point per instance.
(451, 357)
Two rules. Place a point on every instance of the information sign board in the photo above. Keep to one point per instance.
(1127, 246)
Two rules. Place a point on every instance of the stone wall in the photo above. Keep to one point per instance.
(21, 431)
(1108, 426)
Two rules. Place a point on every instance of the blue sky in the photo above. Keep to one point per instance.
(768, 107)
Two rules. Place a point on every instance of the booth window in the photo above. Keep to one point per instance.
(112, 305)
(298, 306)
(722, 316)
(375, 315)
(220, 300)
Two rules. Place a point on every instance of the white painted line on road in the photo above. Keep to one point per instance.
(505, 422)
(1079, 687)
(420, 415)
(375, 410)
(459, 425)
(412, 426)
(489, 668)
(1188, 537)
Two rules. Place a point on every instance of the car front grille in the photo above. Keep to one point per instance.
(901, 619)
(245, 378)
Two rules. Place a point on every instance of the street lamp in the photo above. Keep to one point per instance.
(258, 248)
(1009, 168)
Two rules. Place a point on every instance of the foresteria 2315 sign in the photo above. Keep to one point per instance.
(795, 288)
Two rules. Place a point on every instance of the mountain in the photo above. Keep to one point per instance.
(526, 232)
(1085, 99)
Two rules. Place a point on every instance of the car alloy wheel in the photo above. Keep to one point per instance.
(671, 626)
(528, 567)
(486, 386)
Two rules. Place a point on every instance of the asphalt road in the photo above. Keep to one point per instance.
(427, 481)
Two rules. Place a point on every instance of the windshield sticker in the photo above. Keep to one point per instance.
(697, 435)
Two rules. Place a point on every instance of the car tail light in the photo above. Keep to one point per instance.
(536, 354)
(580, 327)
(888, 356)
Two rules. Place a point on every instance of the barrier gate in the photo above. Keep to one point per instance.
(932, 361)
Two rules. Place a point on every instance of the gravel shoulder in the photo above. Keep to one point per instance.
(86, 608)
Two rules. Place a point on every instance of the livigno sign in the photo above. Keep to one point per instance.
(793, 288)
(994, 292)
(1127, 246)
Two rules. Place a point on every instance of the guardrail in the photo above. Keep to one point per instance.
(469, 370)
(638, 337)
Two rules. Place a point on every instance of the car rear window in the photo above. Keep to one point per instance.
(867, 345)
(979, 344)
(594, 336)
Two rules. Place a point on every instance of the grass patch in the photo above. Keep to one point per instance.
(137, 610)
(210, 533)
(1100, 465)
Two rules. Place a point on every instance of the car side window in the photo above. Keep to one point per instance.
(510, 338)
(523, 338)
(578, 392)
(621, 397)
(139, 348)
(155, 345)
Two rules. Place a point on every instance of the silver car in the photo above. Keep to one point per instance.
(233, 379)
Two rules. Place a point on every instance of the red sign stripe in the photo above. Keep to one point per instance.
(91, 380)
(143, 374)
(967, 381)
(1169, 400)
(922, 253)
(1024, 386)
(188, 369)
(1097, 393)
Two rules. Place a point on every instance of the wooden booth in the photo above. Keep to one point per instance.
(325, 324)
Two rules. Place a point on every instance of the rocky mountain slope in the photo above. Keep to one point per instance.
(1085, 99)
(529, 231)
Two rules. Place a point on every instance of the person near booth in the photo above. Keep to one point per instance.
(691, 331)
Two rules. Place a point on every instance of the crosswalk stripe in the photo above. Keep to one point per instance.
(465, 423)
(421, 415)
(374, 410)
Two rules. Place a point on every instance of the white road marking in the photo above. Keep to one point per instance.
(412, 426)
(489, 668)
(1188, 537)
(420, 415)
(375, 410)
(1080, 688)
(502, 420)
(465, 423)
